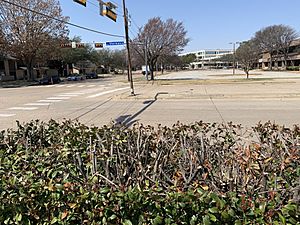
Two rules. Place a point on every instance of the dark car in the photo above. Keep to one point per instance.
(75, 77)
(91, 76)
(50, 80)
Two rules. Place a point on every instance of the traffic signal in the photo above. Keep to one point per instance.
(98, 45)
(79, 45)
(81, 2)
(101, 3)
(67, 45)
(110, 11)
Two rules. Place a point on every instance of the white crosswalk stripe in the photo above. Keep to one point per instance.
(61, 85)
(38, 104)
(106, 92)
(59, 98)
(23, 108)
(49, 100)
(67, 95)
(6, 115)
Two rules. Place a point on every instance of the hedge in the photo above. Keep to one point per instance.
(202, 173)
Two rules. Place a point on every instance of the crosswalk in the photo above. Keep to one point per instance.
(87, 91)
(72, 86)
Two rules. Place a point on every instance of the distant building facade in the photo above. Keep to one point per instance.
(8, 67)
(293, 59)
(206, 59)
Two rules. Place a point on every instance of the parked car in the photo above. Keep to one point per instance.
(50, 80)
(75, 77)
(91, 76)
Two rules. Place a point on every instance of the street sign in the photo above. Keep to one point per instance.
(113, 43)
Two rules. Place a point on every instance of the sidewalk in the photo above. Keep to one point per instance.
(17, 83)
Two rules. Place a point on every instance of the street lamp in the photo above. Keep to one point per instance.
(233, 43)
(145, 55)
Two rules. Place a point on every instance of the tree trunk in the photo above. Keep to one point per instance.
(246, 70)
(29, 66)
(271, 61)
(30, 75)
(285, 61)
(151, 67)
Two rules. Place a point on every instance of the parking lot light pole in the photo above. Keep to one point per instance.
(145, 55)
(233, 67)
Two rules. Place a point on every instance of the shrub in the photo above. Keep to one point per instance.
(203, 173)
(293, 68)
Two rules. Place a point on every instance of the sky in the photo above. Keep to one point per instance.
(210, 24)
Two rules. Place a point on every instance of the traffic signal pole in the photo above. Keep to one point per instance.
(128, 49)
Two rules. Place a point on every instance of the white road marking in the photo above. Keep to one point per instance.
(92, 85)
(39, 104)
(59, 98)
(106, 92)
(81, 86)
(61, 85)
(67, 95)
(69, 86)
(6, 115)
(73, 93)
(49, 100)
(23, 108)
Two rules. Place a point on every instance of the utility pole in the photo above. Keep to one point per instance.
(128, 49)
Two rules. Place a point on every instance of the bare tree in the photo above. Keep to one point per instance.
(27, 29)
(160, 39)
(275, 39)
(285, 35)
(247, 55)
(266, 40)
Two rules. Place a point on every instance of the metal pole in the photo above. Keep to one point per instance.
(233, 58)
(146, 60)
(128, 49)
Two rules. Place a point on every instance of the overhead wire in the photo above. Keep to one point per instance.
(66, 22)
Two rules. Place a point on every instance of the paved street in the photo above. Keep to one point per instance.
(203, 96)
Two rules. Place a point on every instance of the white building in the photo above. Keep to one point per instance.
(208, 58)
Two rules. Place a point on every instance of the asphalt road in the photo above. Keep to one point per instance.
(98, 102)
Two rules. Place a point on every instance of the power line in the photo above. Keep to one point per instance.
(134, 23)
(133, 34)
(71, 24)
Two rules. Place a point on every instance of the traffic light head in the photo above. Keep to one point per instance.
(81, 2)
(98, 45)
